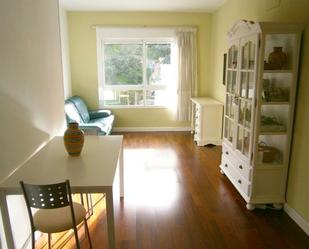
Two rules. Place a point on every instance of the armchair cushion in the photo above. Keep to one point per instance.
(90, 129)
(81, 107)
(99, 114)
(105, 124)
(72, 114)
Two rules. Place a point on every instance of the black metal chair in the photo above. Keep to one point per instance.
(56, 212)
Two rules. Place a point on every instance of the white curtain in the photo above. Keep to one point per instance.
(187, 71)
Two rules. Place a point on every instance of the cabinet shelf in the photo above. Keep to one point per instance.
(232, 119)
(281, 133)
(227, 141)
(243, 70)
(230, 94)
(288, 71)
(270, 166)
(276, 103)
(244, 127)
(246, 99)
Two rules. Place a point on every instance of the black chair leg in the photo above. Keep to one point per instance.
(49, 240)
(87, 232)
(32, 240)
(76, 238)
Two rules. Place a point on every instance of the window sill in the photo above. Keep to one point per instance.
(133, 107)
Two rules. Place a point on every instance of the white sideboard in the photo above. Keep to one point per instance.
(207, 121)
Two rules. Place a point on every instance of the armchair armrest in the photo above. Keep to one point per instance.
(99, 114)
(90, 129)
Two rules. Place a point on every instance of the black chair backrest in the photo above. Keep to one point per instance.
(47, 196)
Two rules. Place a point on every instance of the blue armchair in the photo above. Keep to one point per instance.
(98, 122)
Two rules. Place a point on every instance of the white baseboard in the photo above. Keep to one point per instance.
(143, 129)
(300, 221)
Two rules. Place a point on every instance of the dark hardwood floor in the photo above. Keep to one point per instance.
(176, 198)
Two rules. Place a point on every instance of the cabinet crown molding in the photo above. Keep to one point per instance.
(242, 27)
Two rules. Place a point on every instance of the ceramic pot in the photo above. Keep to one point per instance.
(277, 59)
(73, 139)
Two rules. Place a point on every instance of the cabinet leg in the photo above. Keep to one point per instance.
(222, 172)
(250, 206)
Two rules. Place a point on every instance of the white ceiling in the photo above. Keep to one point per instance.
(142, 5)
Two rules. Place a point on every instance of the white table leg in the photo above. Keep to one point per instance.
(110, 219)
(121, 176)
(6, 222)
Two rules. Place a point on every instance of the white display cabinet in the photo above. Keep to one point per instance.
(261, 73)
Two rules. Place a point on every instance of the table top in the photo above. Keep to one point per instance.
(94, 170)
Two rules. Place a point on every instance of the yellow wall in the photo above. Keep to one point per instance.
(84, 62)
(265, 10)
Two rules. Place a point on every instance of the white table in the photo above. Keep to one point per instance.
(97, 170)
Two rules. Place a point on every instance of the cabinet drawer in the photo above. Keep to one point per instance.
(240, 166)
(243, 169)
(226, 151)
(238, 181)
(243, 185)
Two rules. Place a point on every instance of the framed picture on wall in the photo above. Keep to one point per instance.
(224, 68)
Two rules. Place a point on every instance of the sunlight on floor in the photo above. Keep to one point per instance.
(151, 182)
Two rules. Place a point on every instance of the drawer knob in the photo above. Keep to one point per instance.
(239, 181)
(226, 165)
(227, 152)
(240, 166)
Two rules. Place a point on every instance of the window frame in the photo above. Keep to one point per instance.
(141, 36)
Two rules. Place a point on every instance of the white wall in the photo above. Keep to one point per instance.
(65, 53)
(31, 88)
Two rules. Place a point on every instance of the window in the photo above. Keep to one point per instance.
(136, 67)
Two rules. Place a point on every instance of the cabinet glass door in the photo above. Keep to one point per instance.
(245, 95)
(231, 92)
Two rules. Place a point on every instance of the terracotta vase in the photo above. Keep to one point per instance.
(73, 139)
(277, 59)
